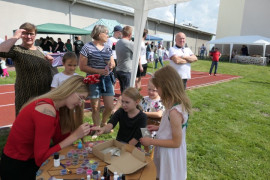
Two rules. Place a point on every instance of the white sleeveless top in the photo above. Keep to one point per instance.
(171, 163)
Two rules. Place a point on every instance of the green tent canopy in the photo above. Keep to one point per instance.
(50, 28)
(106, 22)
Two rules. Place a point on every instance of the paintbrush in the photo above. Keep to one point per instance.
(68, 170)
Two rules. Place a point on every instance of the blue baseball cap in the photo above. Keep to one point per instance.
(117, 28)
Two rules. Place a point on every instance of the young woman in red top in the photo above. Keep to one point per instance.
(57, 116)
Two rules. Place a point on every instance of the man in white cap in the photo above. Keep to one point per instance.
(117, 34)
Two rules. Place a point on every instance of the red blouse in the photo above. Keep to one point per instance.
(31, 134)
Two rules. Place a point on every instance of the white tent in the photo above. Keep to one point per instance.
(248, 40)
(141, 8)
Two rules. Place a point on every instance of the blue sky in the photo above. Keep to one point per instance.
(200, 13)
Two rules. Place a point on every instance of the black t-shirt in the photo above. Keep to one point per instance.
(78, 45)
(60, 46)
(46, 46)
(128, 127)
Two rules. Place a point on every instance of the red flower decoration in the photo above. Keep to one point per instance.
(92, 79)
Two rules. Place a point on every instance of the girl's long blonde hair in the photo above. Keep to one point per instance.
(70, 119)
(172, 88)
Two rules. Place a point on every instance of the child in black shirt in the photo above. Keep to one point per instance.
(130, 119)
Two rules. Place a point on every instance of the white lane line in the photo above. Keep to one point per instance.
(200, 77)
(7, 105)
(10, 92)
(6, 126)
(7, 85)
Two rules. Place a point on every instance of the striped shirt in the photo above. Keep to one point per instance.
(97, 59)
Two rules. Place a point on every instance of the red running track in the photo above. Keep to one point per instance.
(7, 94)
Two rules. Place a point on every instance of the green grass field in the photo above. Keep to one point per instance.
(228, 133)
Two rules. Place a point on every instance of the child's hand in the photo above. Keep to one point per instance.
(146, 141)
(82, 130)
(152, 128)
(99, 130)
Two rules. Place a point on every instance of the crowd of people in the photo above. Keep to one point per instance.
(50, 106)
(50, 45)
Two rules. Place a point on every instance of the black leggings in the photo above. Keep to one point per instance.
(12, 169)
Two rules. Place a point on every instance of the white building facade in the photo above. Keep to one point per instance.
(243, 18)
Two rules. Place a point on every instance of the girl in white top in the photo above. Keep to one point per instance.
(170, 144)
(70, 64)
(152, 105)
(4, 67)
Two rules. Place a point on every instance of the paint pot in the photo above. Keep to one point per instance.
(63, 172)
(89, 171)
(79, 171)
(69, 155)
(83, 165)
(75, 162)
(93, 167)
(75, 156)
(95, 175)
(68, 163)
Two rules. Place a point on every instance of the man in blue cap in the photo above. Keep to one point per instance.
(117, 34)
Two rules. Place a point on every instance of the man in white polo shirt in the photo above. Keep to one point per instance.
(181, 57)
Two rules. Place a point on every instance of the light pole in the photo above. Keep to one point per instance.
(174, 24)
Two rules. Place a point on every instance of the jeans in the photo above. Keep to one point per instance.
(124, 79)
(202, 55)
(103, 88)
(160, 60)
(214, 63)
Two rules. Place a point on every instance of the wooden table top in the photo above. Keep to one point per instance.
(48, 170)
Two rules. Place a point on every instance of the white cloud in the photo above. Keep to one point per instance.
(162, 13)
(200, 13)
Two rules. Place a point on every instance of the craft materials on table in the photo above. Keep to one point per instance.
(77, 163)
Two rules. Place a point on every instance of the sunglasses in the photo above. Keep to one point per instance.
(28, 34)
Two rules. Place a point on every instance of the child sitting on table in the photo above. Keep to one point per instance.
(130, 119)
(70, 64)
(170, 154)
(152, 105)
(57, 116)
